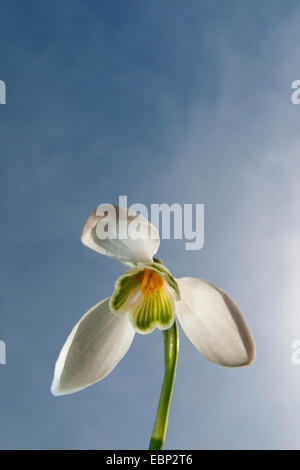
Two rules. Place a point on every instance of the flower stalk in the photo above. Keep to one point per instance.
(161, 421)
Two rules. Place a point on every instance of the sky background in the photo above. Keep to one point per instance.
(162, 101)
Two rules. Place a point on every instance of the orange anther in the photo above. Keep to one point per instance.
(151, 281)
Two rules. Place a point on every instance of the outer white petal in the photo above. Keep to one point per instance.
(120, 244)
(214, 324)
(95, 346)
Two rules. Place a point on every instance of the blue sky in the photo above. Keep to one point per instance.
(163, 101)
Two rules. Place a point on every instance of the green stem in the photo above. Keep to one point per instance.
(161, 421)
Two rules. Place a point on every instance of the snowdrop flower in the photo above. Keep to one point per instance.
(146, 297)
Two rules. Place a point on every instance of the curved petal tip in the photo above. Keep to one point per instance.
(214, 323)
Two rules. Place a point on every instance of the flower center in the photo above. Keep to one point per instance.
(150, 282)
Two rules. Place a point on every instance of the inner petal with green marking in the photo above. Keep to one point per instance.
(147, 296)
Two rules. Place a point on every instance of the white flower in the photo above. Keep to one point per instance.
(145, 297)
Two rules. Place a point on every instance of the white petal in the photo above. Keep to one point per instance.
(95, 346)
(214, 324)
(122, 242)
